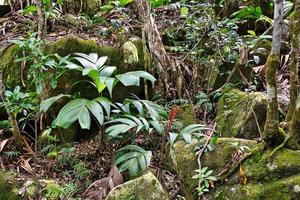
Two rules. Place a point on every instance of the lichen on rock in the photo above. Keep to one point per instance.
(141, 188)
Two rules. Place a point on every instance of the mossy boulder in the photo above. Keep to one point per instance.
(269, 178)
(12, 189)
(8, 188)
(130, 57)
(186, 115)
(141, 188)
(89, 7)
(10, 68)
(184, 160)
(283, 164)
(285, 189)
(241, 114)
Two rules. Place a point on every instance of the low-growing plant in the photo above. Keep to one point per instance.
(204, 176)
(135, 159)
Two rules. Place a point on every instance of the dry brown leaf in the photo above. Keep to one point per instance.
(25, 164)
(243, 178)
(2, 144)
(104, 185)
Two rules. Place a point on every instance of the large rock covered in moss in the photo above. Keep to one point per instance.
(12, 189)
(146, 187)
(274, 178)
(70, 44)
(89, 7)
(184, 160)
(240, 114)
(287, 189)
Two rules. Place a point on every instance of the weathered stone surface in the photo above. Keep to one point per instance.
(186, 115)
(287, 189)
(11, 189)
(238, 114)
(184, 160)
(89, 7)
(276, 178)
(141, 188)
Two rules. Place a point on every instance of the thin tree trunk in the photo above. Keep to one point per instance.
(166, 65)
(41, 19)
(294, 62)
(11, 117)
(271, 131)
(294, 131)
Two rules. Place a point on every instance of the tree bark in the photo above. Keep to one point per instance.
(271, 130)
(294, 61)
(294, 109)
(41, 19)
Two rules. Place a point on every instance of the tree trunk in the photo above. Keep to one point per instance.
(271, 131)
(294, 62)
(41, 19)
(294, 110)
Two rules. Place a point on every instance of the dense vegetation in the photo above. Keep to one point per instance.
(149, 99)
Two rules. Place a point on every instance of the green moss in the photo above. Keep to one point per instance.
(142, 188)
(283, 189)
(233, 121)
(285, 163)
(186, 115)
(7, 186)
(185, 160)
(10, 68)
(271, 133)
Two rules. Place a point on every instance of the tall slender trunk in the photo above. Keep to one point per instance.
(41, 19)
(294, 61)
(271, 131)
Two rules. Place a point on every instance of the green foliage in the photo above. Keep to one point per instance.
(19, 102)
(248, 12)
(51, 8)
(53, 191)
(12, 154)
(42, 67)
(124, 3)
(70, 189)
(193, 130)
(204, 176)
(80, 109)
(203, 101)
(134, 160)
(81, 171)
(125, 124)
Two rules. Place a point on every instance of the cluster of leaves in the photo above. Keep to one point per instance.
(51, 8)
(42, 66)
(204, 176)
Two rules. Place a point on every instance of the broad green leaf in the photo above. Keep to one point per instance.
(101, 61)
(128, 80)
(126, 156)
(84, 119)
(46, 104)
(173, 137)
(105, 104)
(97, 111)
(70, 113)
